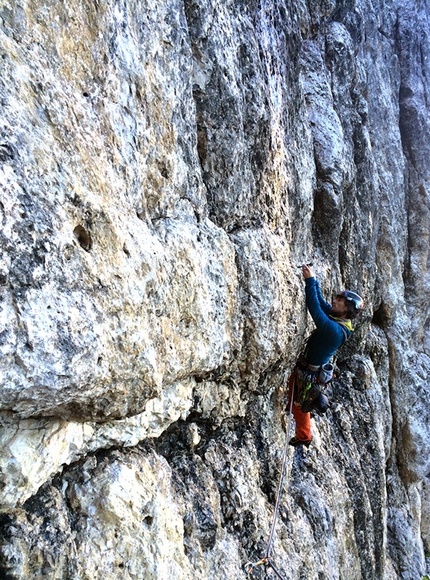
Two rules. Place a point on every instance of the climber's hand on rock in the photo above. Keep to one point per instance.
(308, 272)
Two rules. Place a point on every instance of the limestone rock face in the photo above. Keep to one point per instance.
(165, 167)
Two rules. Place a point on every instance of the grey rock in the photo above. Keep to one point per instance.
(164, 169)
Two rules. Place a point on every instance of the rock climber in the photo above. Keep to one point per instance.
(333, 328)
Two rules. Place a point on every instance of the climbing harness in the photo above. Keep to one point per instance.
(310, 383)
(267, 559)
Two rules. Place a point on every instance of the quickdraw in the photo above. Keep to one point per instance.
(269, 562)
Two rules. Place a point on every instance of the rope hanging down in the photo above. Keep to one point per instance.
(267, 560)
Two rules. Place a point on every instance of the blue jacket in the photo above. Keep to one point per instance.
(329, 334)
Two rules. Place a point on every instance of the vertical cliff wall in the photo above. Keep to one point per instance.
(164, 168)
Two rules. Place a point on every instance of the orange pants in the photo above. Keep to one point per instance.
(303, 420)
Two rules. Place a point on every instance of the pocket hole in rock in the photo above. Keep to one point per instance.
(83, 237)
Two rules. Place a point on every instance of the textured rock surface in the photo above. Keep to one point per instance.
(164, 167)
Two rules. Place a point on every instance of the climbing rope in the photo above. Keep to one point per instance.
(267, 560)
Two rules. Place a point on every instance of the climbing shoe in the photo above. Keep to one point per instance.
(310, 397)
(294, 441)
